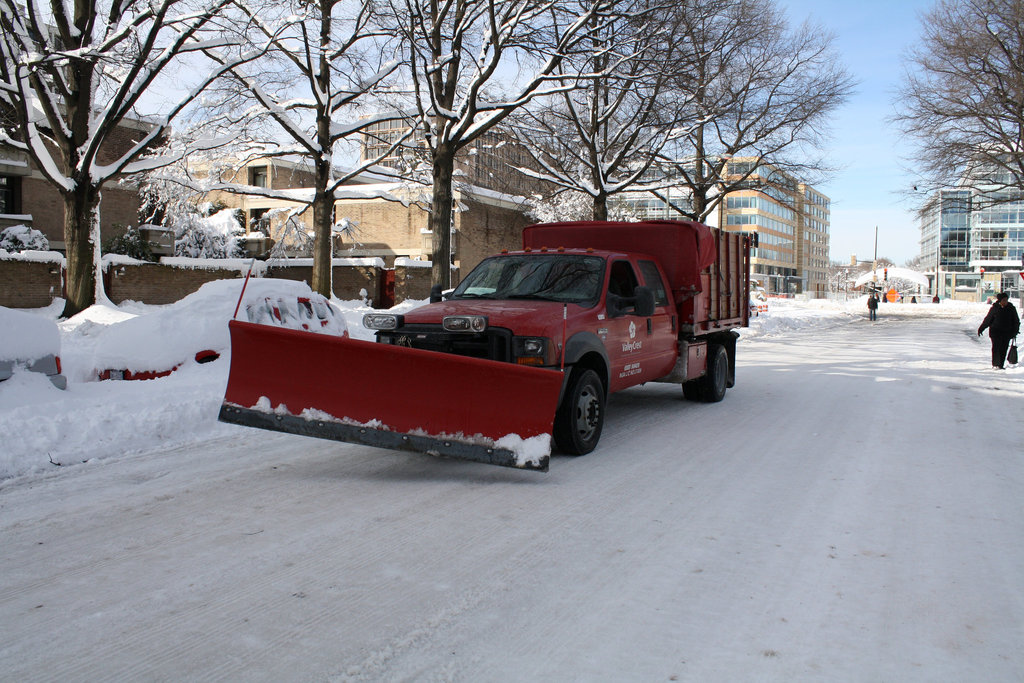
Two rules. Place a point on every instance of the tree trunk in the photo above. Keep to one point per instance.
(440, 220)
(80, 214)
(323, 203)
(601, 208)
(699, 202)
(322, 243)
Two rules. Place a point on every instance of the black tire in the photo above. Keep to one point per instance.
(716, 379)
(580, 418)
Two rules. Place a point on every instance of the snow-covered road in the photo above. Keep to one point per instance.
(852, 511)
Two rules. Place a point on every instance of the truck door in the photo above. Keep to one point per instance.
(632, 347)
(663, 323)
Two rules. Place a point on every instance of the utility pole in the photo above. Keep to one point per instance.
(874, 264)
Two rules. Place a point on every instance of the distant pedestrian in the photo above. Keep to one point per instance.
(913, 299)
(1003, 324)
(935, 299)
(873, 307)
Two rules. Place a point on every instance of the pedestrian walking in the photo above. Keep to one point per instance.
(872, 307)
(1003, 324)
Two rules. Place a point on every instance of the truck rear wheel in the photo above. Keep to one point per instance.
(580, 418)
(711, 387)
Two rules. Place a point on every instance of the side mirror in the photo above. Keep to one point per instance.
(435, 294)
(644, 297)
(617, 305)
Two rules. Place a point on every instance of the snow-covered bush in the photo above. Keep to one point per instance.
(132, 244)
(23, 238)
(216, 235)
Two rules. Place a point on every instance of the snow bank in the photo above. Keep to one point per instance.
(33, 256)
(786, 315)
(26, 336)
(157, 338)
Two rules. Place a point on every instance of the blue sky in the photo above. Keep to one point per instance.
(867, 191)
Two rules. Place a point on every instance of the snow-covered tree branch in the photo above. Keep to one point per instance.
(73, 74)
(752, 86)
(601, 136)
(325, 60)
(470, 64)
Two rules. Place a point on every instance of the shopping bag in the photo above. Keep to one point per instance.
(1011, 356)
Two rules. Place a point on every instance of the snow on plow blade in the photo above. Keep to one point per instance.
(339, 388)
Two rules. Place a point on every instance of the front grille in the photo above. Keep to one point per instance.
(494, 344)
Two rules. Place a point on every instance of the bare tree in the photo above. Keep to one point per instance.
(471, 63)
(325, 59)
(962, 96)
(71, 75)
(601, 136)
(752, 87)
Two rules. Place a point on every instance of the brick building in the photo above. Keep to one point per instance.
(484, 223)
(387, 219)
(28, 198)
(264, 174)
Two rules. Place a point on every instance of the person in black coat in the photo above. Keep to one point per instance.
(1003, 324)
(872, 307)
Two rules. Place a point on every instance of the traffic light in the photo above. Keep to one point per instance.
(885, 274)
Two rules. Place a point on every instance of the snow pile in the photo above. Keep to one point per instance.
(530, 451)
(27, 336)
(22, 238)
(143, 338)
(786, 315)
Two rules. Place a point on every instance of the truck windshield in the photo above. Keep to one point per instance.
(554, 277)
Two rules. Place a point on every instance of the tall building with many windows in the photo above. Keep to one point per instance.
(791, 220)
(973, 238)
(814, 211)
(489, 162)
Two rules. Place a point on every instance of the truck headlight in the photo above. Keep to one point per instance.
(381, 321)
(530, 350)
(464, 323)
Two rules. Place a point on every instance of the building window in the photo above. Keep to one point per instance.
(258, 176)
(9, 195)
(257, 220)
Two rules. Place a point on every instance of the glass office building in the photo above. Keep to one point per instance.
(974, 239)
(790, 218)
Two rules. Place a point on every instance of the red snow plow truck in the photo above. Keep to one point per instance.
(524, 351)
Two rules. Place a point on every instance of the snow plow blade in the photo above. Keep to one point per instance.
(362, 392)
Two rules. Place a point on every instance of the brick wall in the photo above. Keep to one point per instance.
(383, 228)
(29, 284)
(413, 281)
(346, 281)
(386, 226)
(32, 284)
(485, 229)
(118, 206)
(40, 199)
(154, 283)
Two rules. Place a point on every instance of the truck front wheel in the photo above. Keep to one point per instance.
(580, 418)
